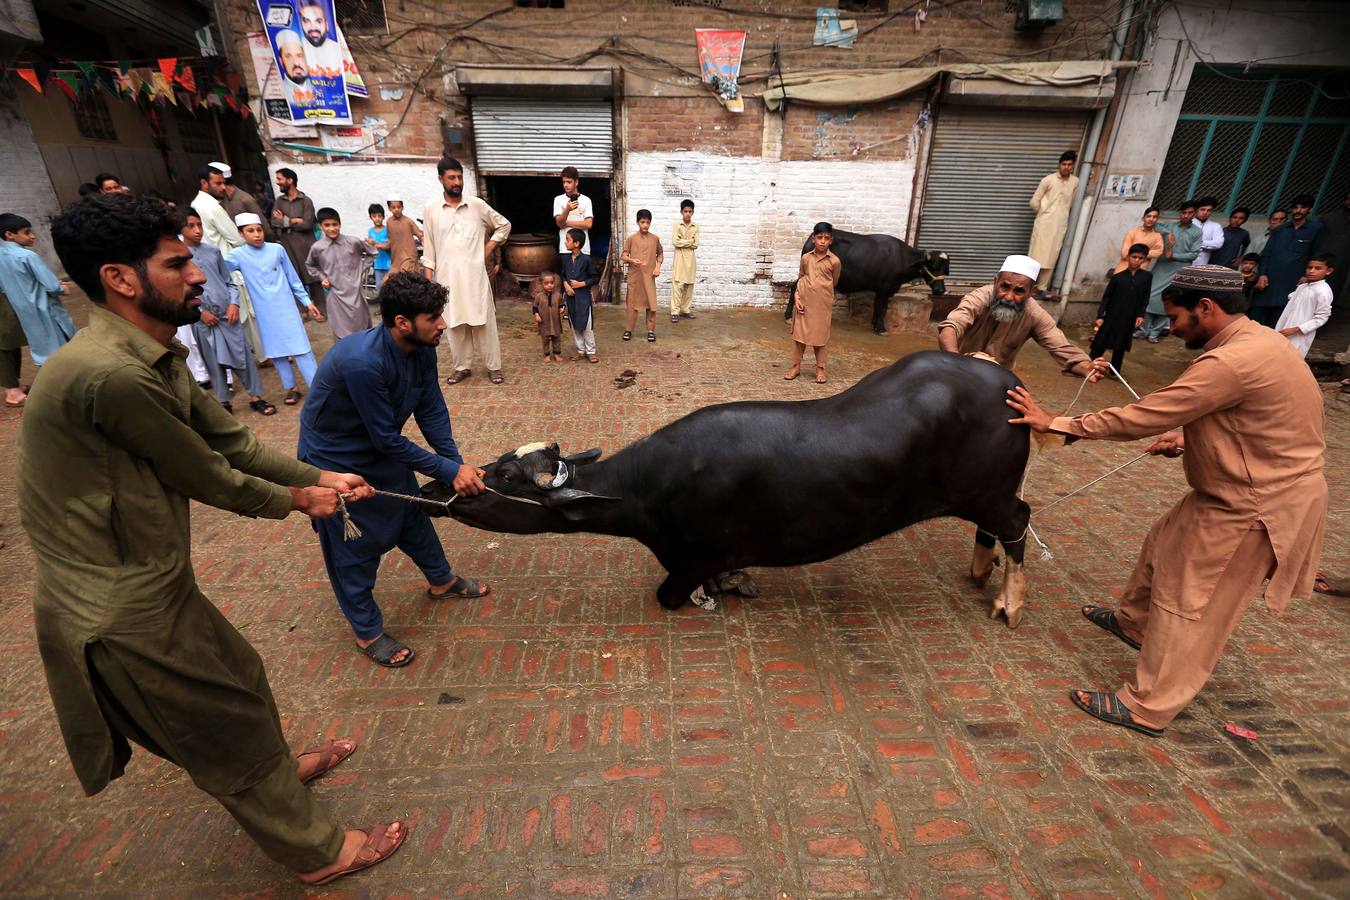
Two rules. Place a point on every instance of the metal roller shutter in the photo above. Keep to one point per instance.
(539, 137)
(983, 169)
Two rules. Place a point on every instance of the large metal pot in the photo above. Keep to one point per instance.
(527, 256)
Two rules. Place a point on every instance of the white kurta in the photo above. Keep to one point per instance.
(453, 246)
(1308, 309)
(1051, 202)
(1211, 239)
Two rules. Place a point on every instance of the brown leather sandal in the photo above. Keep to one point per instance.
(377, 848)
(330, 757)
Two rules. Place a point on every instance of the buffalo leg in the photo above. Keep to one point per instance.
(1012, 595)
(983, 562)
(880, 305)
(683, 580)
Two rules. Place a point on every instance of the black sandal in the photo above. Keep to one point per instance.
(1108, 708)
(292, 397)
(227, 406)
(1105, 618)
(463, 588)
(262, 406)
(384, 649)
(628, 335)
(651, 336)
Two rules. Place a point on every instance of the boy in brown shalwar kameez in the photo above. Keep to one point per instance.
(546, 302)
(1252, 418)
(817, 276)
(642, 251)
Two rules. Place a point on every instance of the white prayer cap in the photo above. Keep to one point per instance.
(393, 198)
(222, 169)
(1021, 265)
(247, 219)
(286, 36)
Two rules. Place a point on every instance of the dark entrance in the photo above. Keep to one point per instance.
(527, 200)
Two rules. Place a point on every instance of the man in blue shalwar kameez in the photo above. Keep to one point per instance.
(365, 390)
(1283, 261)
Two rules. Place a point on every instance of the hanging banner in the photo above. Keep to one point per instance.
(356, 85)
(719, 62)
(268, 81)
(302, 36)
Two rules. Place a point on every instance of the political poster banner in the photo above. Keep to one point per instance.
(303, 37)
(275, 107)
(719, 60)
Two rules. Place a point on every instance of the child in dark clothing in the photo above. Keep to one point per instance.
(1122, 308)
(546, 301)
(1250, 269)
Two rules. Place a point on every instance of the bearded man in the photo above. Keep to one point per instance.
(116, 439)
(997, 319)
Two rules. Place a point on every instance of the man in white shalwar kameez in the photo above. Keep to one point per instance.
(455, 249)
(1051, 202)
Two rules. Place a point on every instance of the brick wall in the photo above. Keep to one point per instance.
(656, 124)
(25, 188)
(875, 131)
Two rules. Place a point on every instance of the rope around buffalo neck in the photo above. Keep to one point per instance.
(351, 531)
(1021, 490)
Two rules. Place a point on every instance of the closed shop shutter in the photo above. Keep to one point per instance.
(984, 167)
(539, 137)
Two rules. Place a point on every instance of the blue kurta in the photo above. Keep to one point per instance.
(1185, 251)
(1284, 261)
(33, 289)
(579, 304)
(276, 290)
(227, 342)
(366, 389)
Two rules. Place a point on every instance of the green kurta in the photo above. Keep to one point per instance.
(116, 438)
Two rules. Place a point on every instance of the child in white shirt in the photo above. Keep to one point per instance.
(1309, 305)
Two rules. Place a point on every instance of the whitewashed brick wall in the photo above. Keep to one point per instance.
(25, 188)
(350, 188)
(754, 213)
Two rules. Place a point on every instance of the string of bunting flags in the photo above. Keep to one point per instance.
(193, 82)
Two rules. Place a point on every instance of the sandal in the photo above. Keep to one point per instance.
(674, 318)
(385, 649)
(1105, 618)
(651, 337)
(377, 848)
(330, 756)
(1322, 585)
(260, 406)
(458, 375)
(593, 358)
(227, 406)
(463, 588)
(628, 335)
(292, 397)
(496, 377)
(688, 315)
(792, 374)
(820, 375)
(1108, 708)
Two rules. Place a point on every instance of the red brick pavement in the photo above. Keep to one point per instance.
(861, 729)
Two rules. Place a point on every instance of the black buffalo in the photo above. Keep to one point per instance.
(881, 264)
(762, 483)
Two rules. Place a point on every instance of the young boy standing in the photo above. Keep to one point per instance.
(379, 238)
(817, 276)
(338, 261)
(546, 302)
(642, 251)
(1250, 269)
(1122, 307)
(578, 279)
(1309, 305)
(220, 335)
(34, 294)
(404, 234)
(682, 273)
(276, 291)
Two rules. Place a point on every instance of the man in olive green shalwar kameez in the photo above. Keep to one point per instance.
(116, 439)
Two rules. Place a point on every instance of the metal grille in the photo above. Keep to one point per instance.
(361, 16)
(984, 167)
(1290, 99)
(196, 131)
(93, 119)
(1210, 93)
(1314, 158)
(1182, 157)
(1224, 159)
(1336, 190)
(1333, 97)
(1272, 152)
(539, 137)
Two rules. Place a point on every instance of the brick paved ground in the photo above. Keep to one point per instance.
(862, 729)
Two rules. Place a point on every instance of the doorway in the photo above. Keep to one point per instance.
(527, 200)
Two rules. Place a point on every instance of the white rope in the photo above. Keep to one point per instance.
(1046, 555)
(351, 531)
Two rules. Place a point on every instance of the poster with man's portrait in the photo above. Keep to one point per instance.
(303, 35)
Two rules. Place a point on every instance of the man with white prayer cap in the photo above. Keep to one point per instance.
(237, 200)
(997, 319)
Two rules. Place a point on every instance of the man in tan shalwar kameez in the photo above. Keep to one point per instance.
(996, 320)
(462, 233)
(1051, 202)
(1252, 417)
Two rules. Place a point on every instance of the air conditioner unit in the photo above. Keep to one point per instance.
(1038, 13)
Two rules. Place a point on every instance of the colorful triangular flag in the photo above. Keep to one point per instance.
(187, 79)
(70, 83)
(30, 76)
(167, 66)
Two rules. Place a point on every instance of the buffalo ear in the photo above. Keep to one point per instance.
(574, 503)
(585, 457)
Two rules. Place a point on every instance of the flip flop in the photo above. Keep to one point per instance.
(495, 377)
(262, 407)
(1322, 585)
(792, 376)
(384, 649)
(377, 848)
(651, 336)
(593, 358)
(1108, 708)
(292, 397)
(463, 588)
(628, 335)
(1105, 618)
(330, 756)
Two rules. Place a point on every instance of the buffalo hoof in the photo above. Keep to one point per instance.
(880, 329)
(737, 581)
(982, 565)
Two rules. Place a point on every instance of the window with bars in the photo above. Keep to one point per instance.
(361, 16)
(1257, 138)
(196, 131)
(92, 117)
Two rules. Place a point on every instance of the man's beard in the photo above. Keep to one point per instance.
(294, 80)
(1004, 312)
(454, 192)
(163, 309)
(315, 43)
(433, 341)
